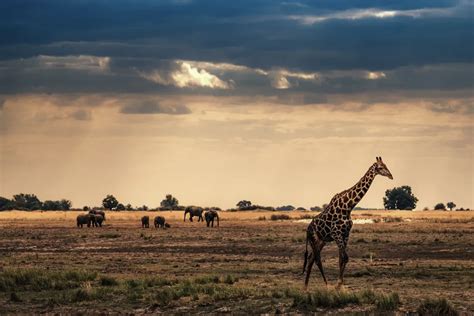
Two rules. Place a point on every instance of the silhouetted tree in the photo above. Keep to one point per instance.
(65, 204)
(400, 198)
(440, 207)
(450, 205)
(26, 202)
(120, 207)
(285, 208)
(244, 204)
(129, 207)
(110, 202)
(170, 202)
(86, 208)
(316, 208)
(6, 204)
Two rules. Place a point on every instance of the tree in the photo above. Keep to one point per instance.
(26, 202)
(285, 208)
(6, 204)
(450, 205)
(120, 207)
(440, 207)
(316, 208)
(65, 204)
(110, 202)
(49, 205)
(170, 202)
(129, 207)
(400, 198)
(244, 204)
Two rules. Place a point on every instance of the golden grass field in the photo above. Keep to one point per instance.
(250, 264)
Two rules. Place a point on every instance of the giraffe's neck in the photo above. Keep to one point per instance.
(358, 191)
(345, 201)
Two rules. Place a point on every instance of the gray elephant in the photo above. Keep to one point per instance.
(160, 221)
(98, 212)
(97, 221)
(85, 219)
(210, 216)
(194, 211)
(146, 222)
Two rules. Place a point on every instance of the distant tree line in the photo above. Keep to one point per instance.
(398, 198)
(30, 202)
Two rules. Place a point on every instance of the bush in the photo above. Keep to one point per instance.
(436, 307)
(39, 280)
(276, 217)
(108, 281)
(440, 207)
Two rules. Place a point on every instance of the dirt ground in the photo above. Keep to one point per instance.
(250, 264)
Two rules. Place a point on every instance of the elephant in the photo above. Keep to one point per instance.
(193, 211)
(209, 216)
(98, 212)
(98, 219)
(85, 219)
(145, 222)
(161, 222)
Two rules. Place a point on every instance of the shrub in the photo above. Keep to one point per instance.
(108, 281)
(276, 217)
(39, 280)
(436, 307)
(440, 207)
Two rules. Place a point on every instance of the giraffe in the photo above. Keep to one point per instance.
(334, 222)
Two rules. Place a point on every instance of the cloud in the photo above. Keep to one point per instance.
(187, 76)
(152, 107)
(81, 115)
(81, 62)
(374, 75)
(367, 13)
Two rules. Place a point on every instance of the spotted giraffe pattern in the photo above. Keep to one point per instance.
(334, 222)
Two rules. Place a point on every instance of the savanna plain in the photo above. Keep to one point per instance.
(418, 261)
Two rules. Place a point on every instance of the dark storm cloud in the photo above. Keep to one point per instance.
(252, 33)
(153, 107)
(132, 46)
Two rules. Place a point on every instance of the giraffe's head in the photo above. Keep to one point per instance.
(381, 169)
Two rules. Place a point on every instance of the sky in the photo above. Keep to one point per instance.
(276, 102)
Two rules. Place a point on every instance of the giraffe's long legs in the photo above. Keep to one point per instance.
(317, 256)
(309, 267)
(343, 258)
(316, 246)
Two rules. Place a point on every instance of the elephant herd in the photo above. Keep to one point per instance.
(95, 218)
(197, 211)
(159, 221)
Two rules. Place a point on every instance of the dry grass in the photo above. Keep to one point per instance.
(244, 266)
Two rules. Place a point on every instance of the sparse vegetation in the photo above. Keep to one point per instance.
(436, 307)
(277, 217)
(249, 266)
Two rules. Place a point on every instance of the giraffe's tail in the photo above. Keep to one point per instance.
(305, 255)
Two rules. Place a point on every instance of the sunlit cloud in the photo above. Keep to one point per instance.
(189, 76)
(186, 75)
(357, 14)
(280, 82)
(375, 75)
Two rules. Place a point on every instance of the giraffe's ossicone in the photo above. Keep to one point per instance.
(334, 222)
